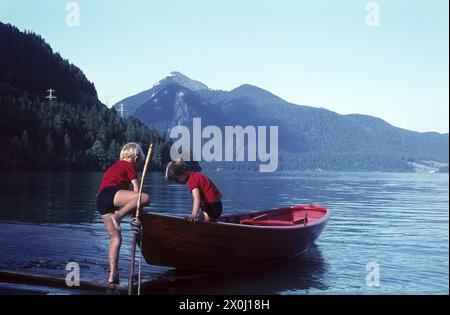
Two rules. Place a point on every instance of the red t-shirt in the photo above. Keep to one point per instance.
(208, 191)
(120, 174)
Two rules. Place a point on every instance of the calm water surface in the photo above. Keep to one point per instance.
(398, 221)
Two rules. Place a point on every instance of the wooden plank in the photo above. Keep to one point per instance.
(49, 281)
(44, 251)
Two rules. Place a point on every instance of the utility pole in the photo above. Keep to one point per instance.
(50, 95)
(121, 110)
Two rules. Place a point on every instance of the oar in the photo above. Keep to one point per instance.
(138, 209)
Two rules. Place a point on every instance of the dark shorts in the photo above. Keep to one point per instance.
(105, 200)
(213, 209)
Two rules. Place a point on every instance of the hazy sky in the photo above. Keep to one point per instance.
(318, 53)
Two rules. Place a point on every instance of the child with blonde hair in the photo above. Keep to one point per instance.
(115, 199)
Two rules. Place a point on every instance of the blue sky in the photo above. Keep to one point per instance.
(318, 53)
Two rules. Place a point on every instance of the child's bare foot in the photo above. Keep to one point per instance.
(115, 221)
(114, 278)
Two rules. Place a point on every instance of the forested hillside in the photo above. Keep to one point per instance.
(73, 132)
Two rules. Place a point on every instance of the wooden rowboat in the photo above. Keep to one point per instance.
(239, 241)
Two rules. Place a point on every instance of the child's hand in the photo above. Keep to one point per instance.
(195, 205)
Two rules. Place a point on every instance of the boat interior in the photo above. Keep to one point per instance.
(291, 216)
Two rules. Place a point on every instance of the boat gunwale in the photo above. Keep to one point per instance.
(266, 227)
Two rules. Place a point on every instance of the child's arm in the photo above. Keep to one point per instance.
(135, 184)
(195, 204)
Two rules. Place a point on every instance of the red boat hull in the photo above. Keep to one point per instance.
(235, 242)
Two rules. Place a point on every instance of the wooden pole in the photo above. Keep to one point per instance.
(138, 209)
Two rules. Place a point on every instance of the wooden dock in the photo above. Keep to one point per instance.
(38, 255)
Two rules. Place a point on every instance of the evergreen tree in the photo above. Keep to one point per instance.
(14, 159)
(67, 149)
(58, 123)
(113, 152)
(130, 133)
(49, 146)
(25, 141)
(97, 154)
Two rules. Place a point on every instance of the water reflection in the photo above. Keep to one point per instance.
(299, 275)
(48, 197)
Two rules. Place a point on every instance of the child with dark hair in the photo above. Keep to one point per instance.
(206, 195)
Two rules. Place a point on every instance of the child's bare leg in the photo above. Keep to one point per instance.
(127, 200)
(208, 218)
(114, 247)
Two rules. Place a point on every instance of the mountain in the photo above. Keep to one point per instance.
(309, 137)
(75, 131)
(132, 103)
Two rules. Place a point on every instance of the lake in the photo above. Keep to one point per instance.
(395, 223)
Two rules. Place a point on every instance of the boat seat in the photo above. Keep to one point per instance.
(266, 222)
(260, 222)
(260, 217)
